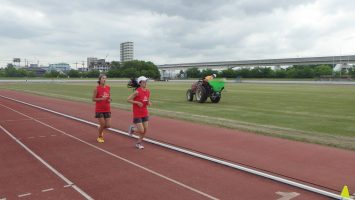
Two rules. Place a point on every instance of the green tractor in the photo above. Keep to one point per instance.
(204, 89)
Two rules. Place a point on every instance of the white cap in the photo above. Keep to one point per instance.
(141, 78)
(214, 75)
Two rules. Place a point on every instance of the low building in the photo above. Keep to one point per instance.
(98, 64)
(59, 67)
(36, 70)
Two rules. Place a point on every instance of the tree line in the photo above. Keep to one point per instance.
(137, 68)
(296, 71)
(129, 69)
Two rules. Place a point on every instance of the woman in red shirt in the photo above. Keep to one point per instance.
(102, 98)
(140, 100)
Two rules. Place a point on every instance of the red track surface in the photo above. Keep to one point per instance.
(104, 176)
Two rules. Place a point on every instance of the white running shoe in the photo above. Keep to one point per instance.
(139, 146)
(130, 130)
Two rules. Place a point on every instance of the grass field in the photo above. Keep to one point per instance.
(323, 114)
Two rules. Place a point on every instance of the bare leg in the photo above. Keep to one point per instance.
(101, 127)
(140, 130)
(107, 122)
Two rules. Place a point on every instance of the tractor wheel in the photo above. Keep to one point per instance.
(201, 95)
(215, 97)
(189, 95)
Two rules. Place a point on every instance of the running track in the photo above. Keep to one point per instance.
(116, 170)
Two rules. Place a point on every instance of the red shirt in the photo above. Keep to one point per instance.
(143, 97)
(104, 105)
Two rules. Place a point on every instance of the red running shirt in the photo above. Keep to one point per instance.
(104, 105)
(143, 97)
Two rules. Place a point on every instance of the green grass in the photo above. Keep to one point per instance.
(321, 114)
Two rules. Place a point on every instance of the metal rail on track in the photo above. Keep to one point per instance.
(199, 155)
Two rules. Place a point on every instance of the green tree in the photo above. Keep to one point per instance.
(130, 73)
(2, 73)
(21, 73)
(280, 73)
(301, 71)
(261, 72)
(10, 71)
(193, 73)
(115, 65)
(115, 70)
(352, 72)
(113, 73)
(244, 72)
(93, 74)
(137, 68)
(52, 74)
(323, 70)
(31, 74)
(228, 73)
(74, 73)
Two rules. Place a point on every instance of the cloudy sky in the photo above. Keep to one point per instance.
(175, 31)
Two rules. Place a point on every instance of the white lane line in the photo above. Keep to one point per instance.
(65, 186)
(116, 156)
(287, 195)
(45, 163)
(24, 195)
(20, 120)
(15, 120)
(198, 155)
(31, 137)
(47, 190)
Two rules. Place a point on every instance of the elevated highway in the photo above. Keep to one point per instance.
(348, 59)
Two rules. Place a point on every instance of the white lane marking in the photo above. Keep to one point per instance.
(195, 154)
(24, 195)
(118, 157)
(287, 195)
(20, 120)
(47, 190)
(67, 186)
(15, 120)
(32, 137)
(45, 163)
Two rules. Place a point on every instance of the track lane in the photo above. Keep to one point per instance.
(311, 163)
(63, 151)
(22, 175)
(220, 181)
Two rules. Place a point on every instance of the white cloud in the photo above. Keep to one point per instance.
(175, 31)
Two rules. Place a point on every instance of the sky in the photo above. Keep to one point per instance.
(174, 31)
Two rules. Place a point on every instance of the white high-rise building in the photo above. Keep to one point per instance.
(126, 51)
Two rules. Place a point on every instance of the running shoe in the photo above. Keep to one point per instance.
(139, 146)
(100, 140)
